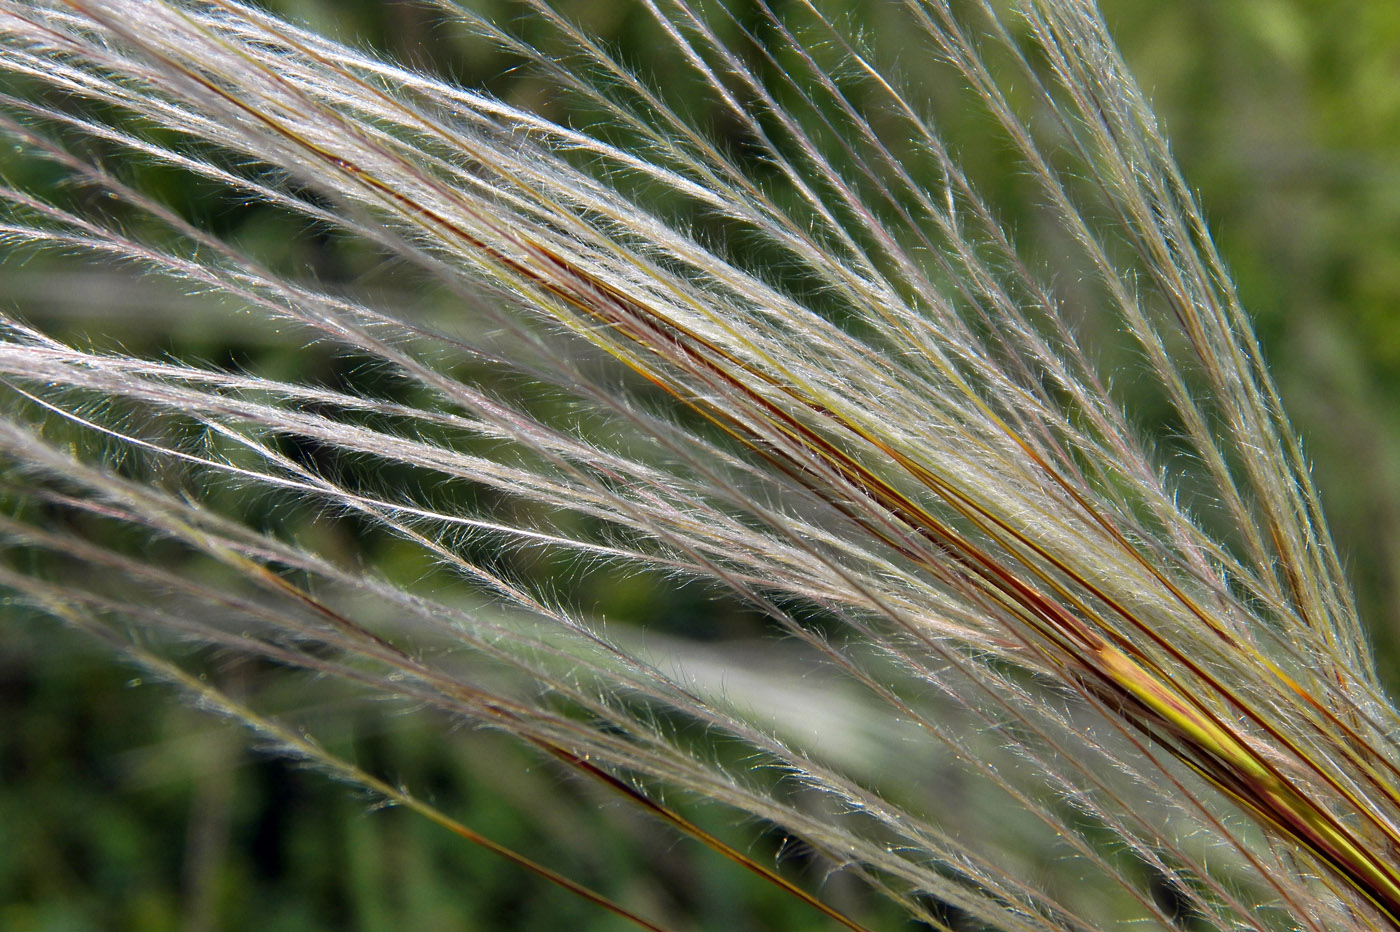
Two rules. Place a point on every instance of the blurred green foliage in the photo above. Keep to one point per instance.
(123, 810)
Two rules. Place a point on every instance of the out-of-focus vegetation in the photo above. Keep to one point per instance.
(120, 809)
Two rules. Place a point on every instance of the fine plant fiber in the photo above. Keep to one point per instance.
(776, 349)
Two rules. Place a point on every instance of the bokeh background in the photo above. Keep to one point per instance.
(122, 809)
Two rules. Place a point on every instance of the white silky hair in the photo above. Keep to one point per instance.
(911, 446)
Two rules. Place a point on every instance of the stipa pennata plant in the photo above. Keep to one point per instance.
(808, 364)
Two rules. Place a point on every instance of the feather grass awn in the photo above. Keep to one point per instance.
(869, 403)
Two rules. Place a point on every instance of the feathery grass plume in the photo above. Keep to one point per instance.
(808, 364)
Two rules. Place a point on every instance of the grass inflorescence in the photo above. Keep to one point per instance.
(785, 353)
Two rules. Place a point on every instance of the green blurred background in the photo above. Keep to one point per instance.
(121, 809)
